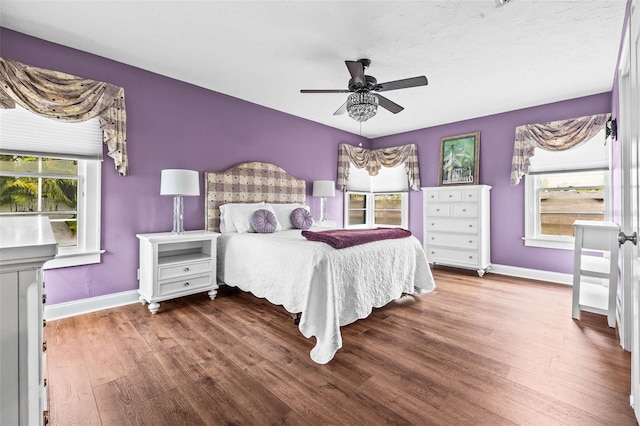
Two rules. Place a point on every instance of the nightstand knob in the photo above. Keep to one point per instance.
(437, 210)
(464, 210)
(186, 269)
(470, 226)
(186, 284)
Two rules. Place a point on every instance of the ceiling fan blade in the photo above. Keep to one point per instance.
(324, 91)
(402, 84)
(341, 110)
(357, 72)
(389, 105)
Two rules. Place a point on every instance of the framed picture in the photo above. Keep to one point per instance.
(459, 157)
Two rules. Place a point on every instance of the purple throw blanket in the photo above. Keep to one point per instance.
(343, 238)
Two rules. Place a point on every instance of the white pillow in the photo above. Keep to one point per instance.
(283, 213)
(229, 212)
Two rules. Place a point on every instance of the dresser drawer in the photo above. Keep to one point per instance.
(437, 254)
(438, 209)
(464, 210)
(183, 269)
(431, 196)
(450, 195)
(469, 242)
(461, 226)
(184, 285)
(470, 195)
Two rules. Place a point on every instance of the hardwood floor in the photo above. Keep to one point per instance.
(478, 351)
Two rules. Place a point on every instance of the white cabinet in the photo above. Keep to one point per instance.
(457, 226)
(26, 243)
(595, 269)
(175, 265)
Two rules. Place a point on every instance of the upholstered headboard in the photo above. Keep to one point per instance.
(249, 183)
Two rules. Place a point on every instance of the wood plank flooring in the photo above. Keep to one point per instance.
(477, 351)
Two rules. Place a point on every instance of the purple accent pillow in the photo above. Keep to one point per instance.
(263, 221)
(301, 218)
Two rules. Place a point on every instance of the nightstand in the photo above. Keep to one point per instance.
(176, 265)
(329, 224)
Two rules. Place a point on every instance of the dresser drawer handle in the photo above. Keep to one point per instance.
(186, 269)
(470, 226)
(470, 257)
(437, 210)
(432, 223)
(186, 284)
(450, 195)
(464, 210)
(470, 241)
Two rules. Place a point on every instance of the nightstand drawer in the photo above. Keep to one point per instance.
(183, 269)
(185, 284)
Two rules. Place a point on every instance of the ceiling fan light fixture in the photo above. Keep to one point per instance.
(361, 106)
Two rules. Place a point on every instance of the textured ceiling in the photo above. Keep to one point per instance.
(480, 57)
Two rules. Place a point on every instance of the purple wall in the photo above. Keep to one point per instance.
(171, 124)
(496, 149)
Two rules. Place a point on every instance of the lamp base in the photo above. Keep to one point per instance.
(323, 209)
(178, 213)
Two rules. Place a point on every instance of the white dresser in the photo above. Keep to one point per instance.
(26, 243)
(457, 226)
(175, 265)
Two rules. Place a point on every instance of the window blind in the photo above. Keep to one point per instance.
(24, 132)
(591, 155)
(388, 179)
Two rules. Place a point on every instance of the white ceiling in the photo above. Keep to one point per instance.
(479, 58)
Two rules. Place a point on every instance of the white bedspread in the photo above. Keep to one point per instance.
(331, 288)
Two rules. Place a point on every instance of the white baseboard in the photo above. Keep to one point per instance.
(84, 306)
(533, 274)
(92, 304)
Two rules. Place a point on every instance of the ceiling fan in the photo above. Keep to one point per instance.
(361, 103)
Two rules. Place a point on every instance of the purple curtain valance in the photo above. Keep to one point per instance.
(65, 97)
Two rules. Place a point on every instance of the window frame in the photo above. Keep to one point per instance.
(87, 250)
(370, 209)
(533, 237)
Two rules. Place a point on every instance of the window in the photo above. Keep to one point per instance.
(380, 200)
(563, 187)
(63, 186)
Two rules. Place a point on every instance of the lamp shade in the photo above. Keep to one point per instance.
(324, 188)
(179, 182)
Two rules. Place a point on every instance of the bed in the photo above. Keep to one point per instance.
(329, 287)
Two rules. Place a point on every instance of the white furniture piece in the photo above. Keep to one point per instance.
(595, 269)
(26, 243)
(175, 265)
(457, 226)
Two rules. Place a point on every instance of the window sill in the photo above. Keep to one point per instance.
(74, 259)
(552, 243)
